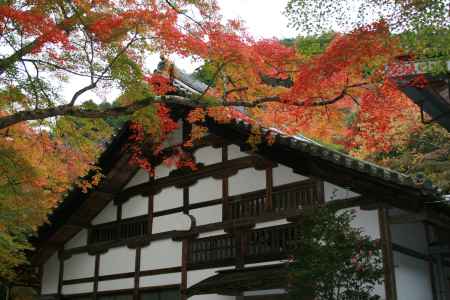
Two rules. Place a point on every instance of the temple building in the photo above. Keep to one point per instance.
(225, 230)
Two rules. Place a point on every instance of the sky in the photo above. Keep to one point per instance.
(262, 18)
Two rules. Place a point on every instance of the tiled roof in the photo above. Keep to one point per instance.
(313, 148)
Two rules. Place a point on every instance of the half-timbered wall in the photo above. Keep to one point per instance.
(159, 262)
(412, 273)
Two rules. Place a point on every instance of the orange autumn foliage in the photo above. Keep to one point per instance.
(342, 97)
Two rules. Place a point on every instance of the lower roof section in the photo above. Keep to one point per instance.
(236, 281)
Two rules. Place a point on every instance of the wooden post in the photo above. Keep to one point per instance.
(269, 189)
(430, 262)
(184, 268)
(96, 274)
(61, 273)
(186, 200)
(137, 271)
(388, 258)
(225, 200)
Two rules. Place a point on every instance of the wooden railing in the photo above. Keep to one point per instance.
(289, 198)
(286, 198)
(118, 230)
(212, 250)
(254, 245)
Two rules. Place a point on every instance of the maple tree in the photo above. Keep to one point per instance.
(422, 25)
(50, 136)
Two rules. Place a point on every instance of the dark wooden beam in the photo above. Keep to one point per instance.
(179, 180)
(388, 258)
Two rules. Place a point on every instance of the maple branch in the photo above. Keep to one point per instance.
(107, 68)
(67, 25)
(178, 11)
(78, 111)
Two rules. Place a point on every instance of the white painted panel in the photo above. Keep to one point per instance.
(50, 275)
(117, 260)
(141, 176)
(367, 221)
(234, 152)
(212, 297)
(108, 214)
(176, 137)
(271, 223)
(285, 175)
(161, 254)
(80, 288)
(135, 206)
(169, 222)
(79, 240)
(266, 263)
(160, 280)
(163, 171)
(168, 198)
(412, 278)
(79, 266)
(247, 180)
(334, 192)
(117, 284)
(199, 275)
(194, 277)
(207, 215)
(211, 233)
(205, 189)
(208, 155)
(266, 292)
(412, 236)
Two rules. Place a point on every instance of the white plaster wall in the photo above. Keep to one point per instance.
(205, 189)
(80, 288)
(247, 180)
(207, 215)
(161, 254)
(285, 175)
(271, 223)
(79, 240)
(211, 233)
(273, 292)
(168, 198)
(176, 137)
(168, 223)
(135, 206)
(266, 263)
(117, 284)
(138, 205)
(160, 280)
(117, 260)
(412, 236)
(108, 214)
(79, 266)
(234, 152)
(50, 275)
(163, 171)
(334, 192)
(212, 297)
(196, 276)
(368, 222)
(208, 155)
(412, 278)
(141, 176)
